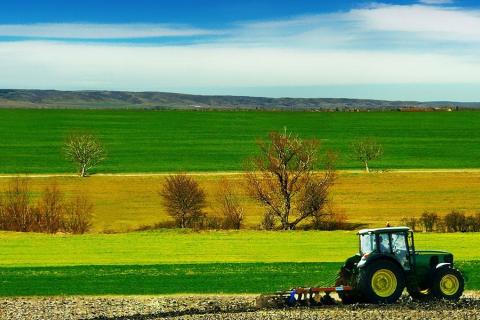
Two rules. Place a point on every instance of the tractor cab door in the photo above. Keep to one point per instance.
(400, 249)
(395, 244)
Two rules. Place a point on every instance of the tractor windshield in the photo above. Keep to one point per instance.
(367, 243)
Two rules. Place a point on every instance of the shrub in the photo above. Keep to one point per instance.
(17, 213)
(50, 210)
(429, 220)
(268, 221)
(230, 207)
(329, 219)
(78, 215)
(184, 199)
(51, 214)
(210, 223)
(455, 221)
(410, 222)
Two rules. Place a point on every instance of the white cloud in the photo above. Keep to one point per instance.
(436, 2)
(98, 31)
(436, 23)
(77, 66)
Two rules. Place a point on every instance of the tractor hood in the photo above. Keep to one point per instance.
(432, 252)
(433, 257)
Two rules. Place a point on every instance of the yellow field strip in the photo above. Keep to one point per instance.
(127, 201)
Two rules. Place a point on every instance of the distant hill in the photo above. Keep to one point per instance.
(12, 98)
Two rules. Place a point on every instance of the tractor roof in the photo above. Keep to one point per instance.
(384, 230)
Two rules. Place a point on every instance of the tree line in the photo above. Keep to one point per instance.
(454, 221)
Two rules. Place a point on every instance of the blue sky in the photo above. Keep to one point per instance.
(398, 50)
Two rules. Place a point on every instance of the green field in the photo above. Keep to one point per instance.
(167, 262)
(158, 141)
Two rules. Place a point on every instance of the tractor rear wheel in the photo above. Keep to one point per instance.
(382, 281)
(448, 283)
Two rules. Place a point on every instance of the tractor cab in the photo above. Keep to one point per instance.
(396, 243)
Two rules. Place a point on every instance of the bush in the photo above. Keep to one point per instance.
(268, 221)
(230, 207)
(78, 215)
(51, 214)
(210, 223)
(473, 223)
(410, 222)
(455, 221)
(50, 210)
(330, 219)
(184, 199)
(17, 213)
(429, 220)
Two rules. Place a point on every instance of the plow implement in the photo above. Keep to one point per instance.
(300, 297)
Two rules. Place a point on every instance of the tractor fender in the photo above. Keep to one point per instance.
(443, 265)
(375, 257)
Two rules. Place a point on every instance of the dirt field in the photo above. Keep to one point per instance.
(223, 307)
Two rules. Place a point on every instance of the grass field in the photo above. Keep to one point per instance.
(124, 203)
(158, 141)
(187, 262)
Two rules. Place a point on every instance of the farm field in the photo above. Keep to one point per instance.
(176, 261)
(160, 141)
(125, 203)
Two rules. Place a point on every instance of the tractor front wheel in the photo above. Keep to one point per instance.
(382, 281)
(448, 283)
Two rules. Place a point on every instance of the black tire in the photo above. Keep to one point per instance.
(448, 284)
(420, 295)
(389, 282)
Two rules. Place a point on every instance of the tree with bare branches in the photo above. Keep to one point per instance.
(78, 215)
(85, 150)
(17, 212)
(283, 178)
(366, 150)
(229, 203)
(184, 199)
(50, 209)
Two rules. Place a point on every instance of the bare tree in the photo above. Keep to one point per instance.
(78, 215)
(85, 150)
(230, 208)
(50, 209)
(365, 150)
(282, 178)
(17, 211)
(184, 199)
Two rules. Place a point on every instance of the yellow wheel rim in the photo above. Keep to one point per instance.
(449, 284)
(384, 283)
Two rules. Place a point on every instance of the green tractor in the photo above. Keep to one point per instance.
(388, 263)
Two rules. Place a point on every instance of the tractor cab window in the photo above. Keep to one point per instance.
(399, 247)
(367, 243)
(384, 243)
